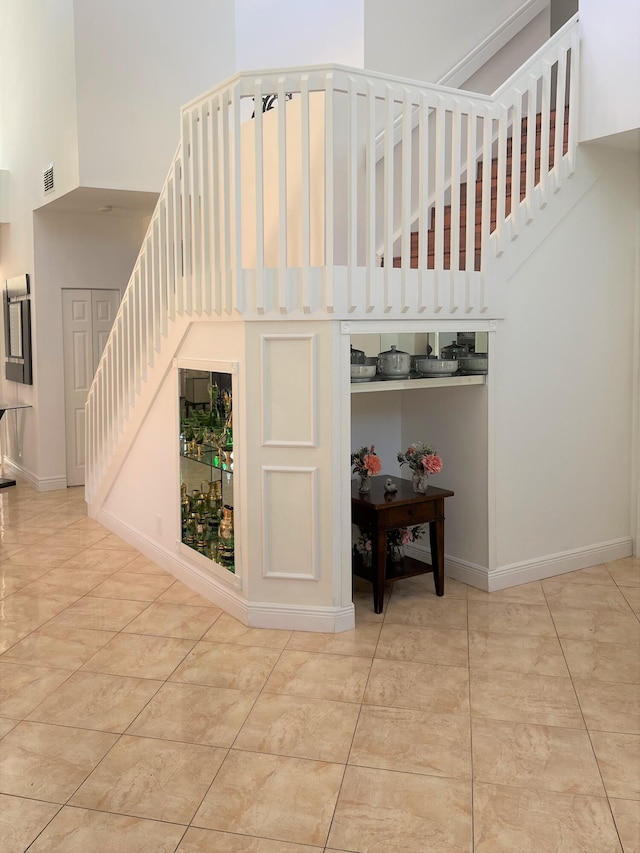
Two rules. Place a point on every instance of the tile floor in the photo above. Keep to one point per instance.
(135, 716)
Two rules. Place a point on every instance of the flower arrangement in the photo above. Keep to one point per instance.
(422, 458)
(395, 539)
(366, 461)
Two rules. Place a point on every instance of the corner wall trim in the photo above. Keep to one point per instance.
(552, 565)
(40, 484)
(548, 566)
(255, 615)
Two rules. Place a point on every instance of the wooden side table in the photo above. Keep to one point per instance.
(382, 512)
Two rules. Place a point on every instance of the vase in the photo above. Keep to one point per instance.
(365, 486)
(420, 484)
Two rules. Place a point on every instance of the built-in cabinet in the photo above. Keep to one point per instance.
(207, 505)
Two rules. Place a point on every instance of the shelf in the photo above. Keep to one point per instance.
(408, 568)
(412, 384)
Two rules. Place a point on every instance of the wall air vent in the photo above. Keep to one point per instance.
(47, 177)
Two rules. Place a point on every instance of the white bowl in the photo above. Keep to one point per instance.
(363, 371)
(474, 364)
(437, 366)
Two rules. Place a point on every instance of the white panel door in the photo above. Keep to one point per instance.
(87, 317)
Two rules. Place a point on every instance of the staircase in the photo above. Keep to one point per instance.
(287, 214)
(509, 188)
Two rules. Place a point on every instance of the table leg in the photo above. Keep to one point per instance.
(436, 539)
(379, 569)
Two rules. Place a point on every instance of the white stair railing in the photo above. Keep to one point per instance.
(281, 214)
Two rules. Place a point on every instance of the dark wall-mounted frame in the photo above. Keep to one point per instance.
(17, 329)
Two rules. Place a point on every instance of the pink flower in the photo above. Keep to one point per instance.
(372, 463)
(407, 536)
(367, 545)
(432, 464)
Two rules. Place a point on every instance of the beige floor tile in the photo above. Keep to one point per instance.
(609, 707)
(67, 581)
(423, 585)
(179, 593)
(192, 713)
(299, 727)
(58, 646)
(625, 572)
(526, 593)
(584, 596)
(418, 686)
(105, 614)
(361, 641)
(21, 820)
(618, 756)
(207, 841)
(383, 810)
(107, 703)
(72, 537)
(49, 762)
(428, 611)
(252, 794)
(602, 661)
(101, 559)
(363, 604)
(226, 629)
(149, 778)
(226, 665)
(173, 620)
(546, 758)
(76, 830)
(526, 698)
(626, 814)
(13, 579)
(604, 626)
(113, 542)
(43, 555)
(6, 725)
(89, 524)
(24, 687)
(413, 741)
(318, 676)
(144, 566)
(513, 653)
(134, 587)
(445, 646)
(632, 595)
(515, 819)
(22, 614)
(139, 656)
(22, 538)
(531, 620)
(598, 575)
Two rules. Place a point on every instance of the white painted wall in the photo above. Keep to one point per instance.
(455, 422)
(282, 33)
(137, 64)
(72, 250)
(609, 67)
(563, 379)
(510, 57)
(424, 41)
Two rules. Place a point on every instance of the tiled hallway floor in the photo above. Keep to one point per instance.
(135, 716)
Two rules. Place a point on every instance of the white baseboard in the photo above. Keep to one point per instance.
(549, 566)
(41, 484)
(460, 570)
(290, 617)
(552, 565)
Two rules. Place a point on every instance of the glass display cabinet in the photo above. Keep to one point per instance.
(206, 464)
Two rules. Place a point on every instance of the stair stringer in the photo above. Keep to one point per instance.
(531, 236)
(138, 412)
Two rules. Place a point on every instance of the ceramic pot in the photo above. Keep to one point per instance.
(394, 363)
